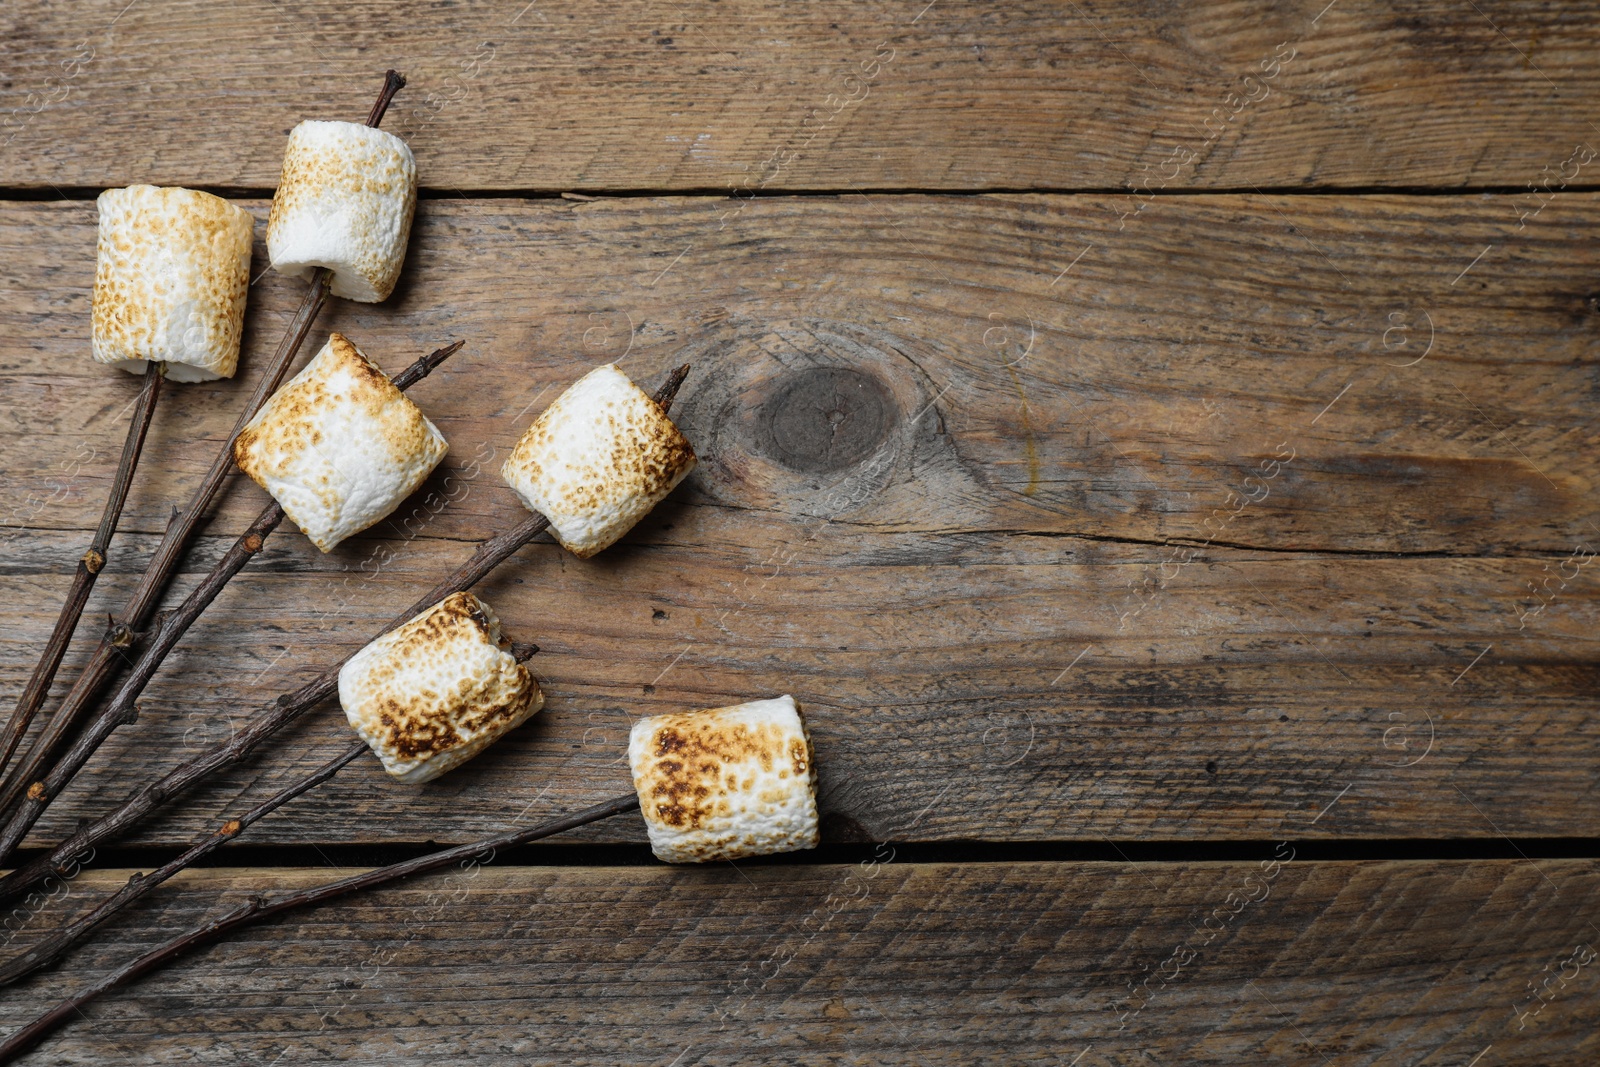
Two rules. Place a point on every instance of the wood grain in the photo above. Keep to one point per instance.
(1169, 510)
(1280, 960)
(1211, 335)
(1048, 94)
(975, 586)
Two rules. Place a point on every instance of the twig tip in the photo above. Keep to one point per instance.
(393, 82)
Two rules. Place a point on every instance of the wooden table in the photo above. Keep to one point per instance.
(1155, 442)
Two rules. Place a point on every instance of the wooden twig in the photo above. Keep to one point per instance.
(280, 713)
(89, 566)
(259, 908)
(123, 708)
(123, 632)
(56, 945)
(393, 82)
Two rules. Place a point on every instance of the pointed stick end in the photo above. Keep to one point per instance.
(669, 388)
(393, 82)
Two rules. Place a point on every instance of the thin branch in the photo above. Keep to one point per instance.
(275, 716)
(89, 566)
(123, 632)
(259, 908)
(393, 82)
(123, 708)
(57, 944)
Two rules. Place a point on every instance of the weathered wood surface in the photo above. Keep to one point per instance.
(1131, 516)
(1280, 960)
(985, 516)
(1047, 94)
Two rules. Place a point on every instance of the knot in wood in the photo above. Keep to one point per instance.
(36, 792)
(824, 419)
(232, 827)
(252, 544)
(121, 635)
(93, 561)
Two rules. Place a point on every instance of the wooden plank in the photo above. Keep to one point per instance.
(1051, 94)
(1213, 336)
(1283, 960)
(977, 590)
(929, 687)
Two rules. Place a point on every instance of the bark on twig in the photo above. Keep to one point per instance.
(259, 908)
(56, 945)
(280, 713)
(89, 567)
(123, 708)
(123, 630)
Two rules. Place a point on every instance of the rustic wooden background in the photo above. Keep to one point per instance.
(1207, 493)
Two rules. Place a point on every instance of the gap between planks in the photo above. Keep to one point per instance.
(1086, 850)
(228, 192)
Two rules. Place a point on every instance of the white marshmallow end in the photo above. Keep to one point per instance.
(726, 784)
(345, 201)
(339, 446)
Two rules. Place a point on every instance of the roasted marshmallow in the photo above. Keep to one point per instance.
(598, 460)
(340, 446)
(344, 201)
(434, 692)
(727, 783)
(170, 284)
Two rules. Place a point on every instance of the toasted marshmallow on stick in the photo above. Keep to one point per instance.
(726, 783)
(170, 283)
(598, 460)
(345, 202)
(339, 446)
(434, 692)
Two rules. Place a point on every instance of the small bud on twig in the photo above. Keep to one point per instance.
(93, 560)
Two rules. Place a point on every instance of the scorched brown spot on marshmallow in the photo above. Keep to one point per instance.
(345, 200)
(339, 446)
(726, 783)
(171, 277)
(434, 692)
(598, 460)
